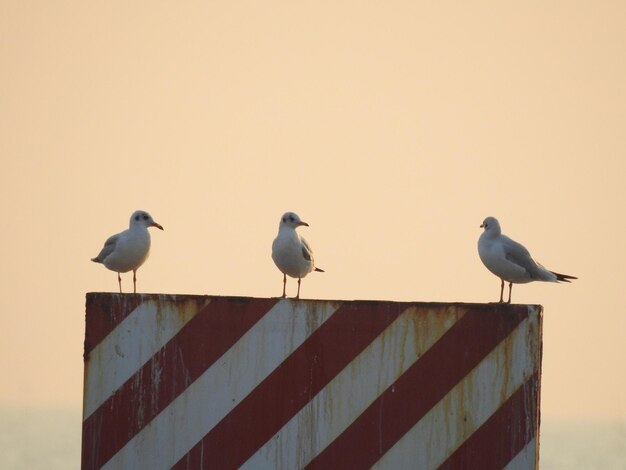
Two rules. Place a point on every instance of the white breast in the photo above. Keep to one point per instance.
(288, 256)
(131, 251)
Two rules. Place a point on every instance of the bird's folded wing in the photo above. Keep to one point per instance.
(109, 247)
(307, 252)
(518, 254)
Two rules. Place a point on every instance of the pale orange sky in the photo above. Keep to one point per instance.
(392, 128)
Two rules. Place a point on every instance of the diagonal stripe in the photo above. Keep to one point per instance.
(167, 374)
(470, 403)
(132, 343)
(504, 435)
(420, 388)
(291, 386)
(105, 312)
(202, 405)
(354, 388)
(527, 458)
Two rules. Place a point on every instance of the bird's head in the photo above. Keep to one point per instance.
(292, 220)
(491, 224)
(140, 218)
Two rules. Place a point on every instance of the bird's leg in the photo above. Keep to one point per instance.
(298, 294)
(501, 289)
(510, 289)
(284, 284)
(134, 281)
(119, 281)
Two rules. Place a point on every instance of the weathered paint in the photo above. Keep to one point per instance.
(216, 382)
(470, 403)
(131, 343)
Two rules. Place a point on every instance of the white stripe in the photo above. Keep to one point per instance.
(131, 344)
(172, 433)
(336, 406)
(526, 459)
(470, 403)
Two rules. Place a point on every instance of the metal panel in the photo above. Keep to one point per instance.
(224, 382)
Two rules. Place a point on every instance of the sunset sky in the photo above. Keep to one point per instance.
(392, 128)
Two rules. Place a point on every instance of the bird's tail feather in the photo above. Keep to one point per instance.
(563, 277)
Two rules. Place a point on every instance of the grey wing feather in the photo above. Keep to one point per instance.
(107, 249)
(307, 252)
(518, 254)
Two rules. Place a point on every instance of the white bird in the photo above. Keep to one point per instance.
(129, 249)
(509, 260)
(291, 253)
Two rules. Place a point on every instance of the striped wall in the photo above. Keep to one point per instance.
(192, 382)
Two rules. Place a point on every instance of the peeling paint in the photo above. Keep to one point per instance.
(133, 341)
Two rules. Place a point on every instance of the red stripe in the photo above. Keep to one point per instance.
(503, 435)
(103, 313)
(182, 360)
(291, 386)
(420, 388)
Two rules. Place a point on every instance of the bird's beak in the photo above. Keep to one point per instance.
(303, 223)
(154, 224)
(482, 225)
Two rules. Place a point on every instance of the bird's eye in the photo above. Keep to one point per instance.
(284, 219)
(145, 217)
(291, 219)
(136, 217)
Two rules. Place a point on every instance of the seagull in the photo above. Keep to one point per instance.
(509, 260)
(129, 249)
(291, 253)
